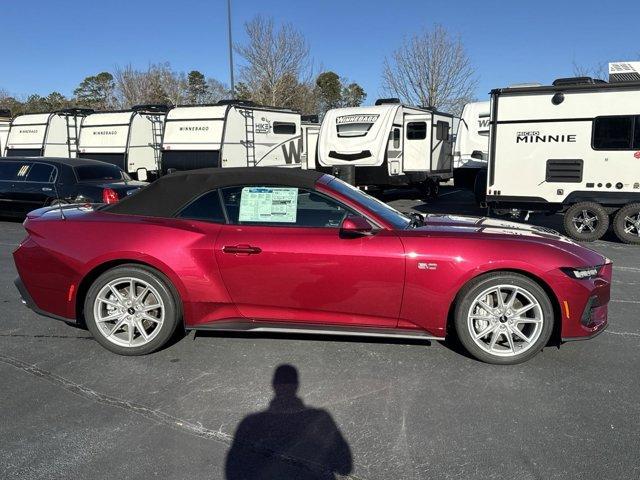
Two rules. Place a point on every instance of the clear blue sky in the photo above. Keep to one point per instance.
(52, 45)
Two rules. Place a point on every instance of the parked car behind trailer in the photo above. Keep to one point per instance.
(28, 183)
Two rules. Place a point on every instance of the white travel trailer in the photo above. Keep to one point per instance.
(310, 133)
(5, 123)
(471, 146)
(46, 134)
(389, 144)
(571, 147)
(231, 133)
(129, 139)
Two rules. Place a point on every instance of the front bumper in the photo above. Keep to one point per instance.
(585, 306)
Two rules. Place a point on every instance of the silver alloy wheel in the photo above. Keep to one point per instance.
(585, 219)
(505, 320)
(129, 312)
(632, 224)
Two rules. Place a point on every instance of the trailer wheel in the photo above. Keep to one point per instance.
(626, 224)
(586, 221)
(480, 187)
(435, 189)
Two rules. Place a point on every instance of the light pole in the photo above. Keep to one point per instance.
(233, 90)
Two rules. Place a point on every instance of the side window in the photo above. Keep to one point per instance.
(636, 134)
(396, 138)
(284, 206)
(416, 130)
(206, 207)
(613, 133)
(9, 170)
(442, 131)
(42, 173)
(284, 128)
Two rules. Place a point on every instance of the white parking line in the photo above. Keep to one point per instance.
(624, 301)
(449, 193)
(623, 334)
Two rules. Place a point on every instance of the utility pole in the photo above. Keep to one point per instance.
(233, 90)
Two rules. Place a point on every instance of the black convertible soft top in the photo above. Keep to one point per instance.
(165, 196)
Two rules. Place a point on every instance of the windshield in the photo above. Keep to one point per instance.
(100, 172)
(390, 215)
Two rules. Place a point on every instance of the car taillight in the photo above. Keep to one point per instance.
(109, 196)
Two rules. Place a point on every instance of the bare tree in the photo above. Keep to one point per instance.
(158, 84)
(431, 69)
(276, 62)
(600, 70)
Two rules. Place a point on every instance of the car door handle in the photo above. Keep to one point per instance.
(241, 249)
(47, 189)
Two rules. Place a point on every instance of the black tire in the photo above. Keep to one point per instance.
(574, 219)
(172, 311)
(480, 187)
(477, 286)
(627, 218)
(435, 190)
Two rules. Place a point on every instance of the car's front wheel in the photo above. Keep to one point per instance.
(503, 318)
(131, 310)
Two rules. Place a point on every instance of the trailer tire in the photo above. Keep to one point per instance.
(480, 187)
(626, 224)
(435, 189)
(586, 221)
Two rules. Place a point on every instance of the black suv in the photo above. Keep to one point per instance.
(33, 182)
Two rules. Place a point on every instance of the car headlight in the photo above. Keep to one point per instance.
(582, 273)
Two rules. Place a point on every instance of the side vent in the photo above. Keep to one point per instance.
(564, 171)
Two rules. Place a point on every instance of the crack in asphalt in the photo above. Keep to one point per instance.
(161, 417)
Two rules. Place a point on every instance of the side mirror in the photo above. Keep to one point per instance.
(141, 173)
(354, 225)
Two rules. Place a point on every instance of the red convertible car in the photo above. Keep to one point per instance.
(267, 249)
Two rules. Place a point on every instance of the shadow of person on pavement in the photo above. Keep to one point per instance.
(288, 440)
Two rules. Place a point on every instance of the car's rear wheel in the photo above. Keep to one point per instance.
(131, 310)
(626, 224)
(586, 221)
(503, 318)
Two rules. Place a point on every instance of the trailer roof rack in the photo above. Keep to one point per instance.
(310, 118)
(233, 101)
(5, 112)
(75, 111)
(151, 107)
(560, 82)
(384, 101)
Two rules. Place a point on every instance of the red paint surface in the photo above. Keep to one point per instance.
(310, 275)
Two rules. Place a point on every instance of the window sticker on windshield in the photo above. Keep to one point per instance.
(267, 204)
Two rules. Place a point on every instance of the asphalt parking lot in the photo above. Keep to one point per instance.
(364, 409)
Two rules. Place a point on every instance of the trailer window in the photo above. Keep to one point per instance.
(442, 130)
(614, 133)
(416, 130)
(353, 129)
(284, 128)
(396, 138)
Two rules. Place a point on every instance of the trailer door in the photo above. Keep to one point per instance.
(417, 143)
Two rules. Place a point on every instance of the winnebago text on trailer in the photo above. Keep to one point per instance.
(231, 133)
(387, 144)
(573, 146)
(129, 139)
(5, 123)
(471, 146)
(46, 134)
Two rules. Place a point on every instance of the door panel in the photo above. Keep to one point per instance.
(312, 274)
(417, 143)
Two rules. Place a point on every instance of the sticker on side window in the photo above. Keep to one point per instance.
(268, 204)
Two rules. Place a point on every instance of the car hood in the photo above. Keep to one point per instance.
(461, 223)
(496, 229)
